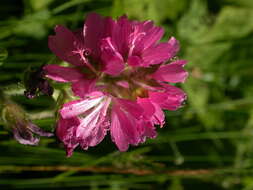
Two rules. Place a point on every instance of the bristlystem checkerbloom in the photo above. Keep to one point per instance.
(122, 75)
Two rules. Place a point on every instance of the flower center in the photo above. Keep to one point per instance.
(130, 84)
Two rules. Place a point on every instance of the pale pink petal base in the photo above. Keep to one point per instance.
(83, 87)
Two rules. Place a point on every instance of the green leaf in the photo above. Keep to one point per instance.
(38, 5)
(193, 24)
(231, 23)
(245, 3)
(170, 8)
(67, 5)
(117, 8)
(3, 55)
(149, 9)
(33, 25)
(203, 55)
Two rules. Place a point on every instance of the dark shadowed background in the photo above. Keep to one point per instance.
(206, 144)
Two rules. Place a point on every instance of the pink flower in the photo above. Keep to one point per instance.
(122, 75)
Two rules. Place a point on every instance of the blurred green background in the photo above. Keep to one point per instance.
(206, 144)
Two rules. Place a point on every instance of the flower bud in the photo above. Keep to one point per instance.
(35, 83)
(23, 129)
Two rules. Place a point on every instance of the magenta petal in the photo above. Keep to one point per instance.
(83, 86)
(134, 61)
(147, 106)
(112, 60)
(123, 128)
(158, 117)
(149, 131)
(152, 36)
(171, 98)
(172, 72)
(65, 45)
(160, 52)
(77, 107)
(121, 34)
(62, 74)
(92, 31)
(131, 107)
(96, 28)
(146, 25)
(79, 35)
(117, 134)
(173, 46)
(152, 111)
(99, 133)
(64, 125)
(146, 129)
(156, 54)
(66, 132)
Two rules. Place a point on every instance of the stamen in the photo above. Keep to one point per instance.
(84, 55)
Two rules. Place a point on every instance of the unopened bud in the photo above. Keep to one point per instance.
(24, 131)
(35, 83)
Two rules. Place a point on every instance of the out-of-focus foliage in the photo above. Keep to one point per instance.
(206, 144)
